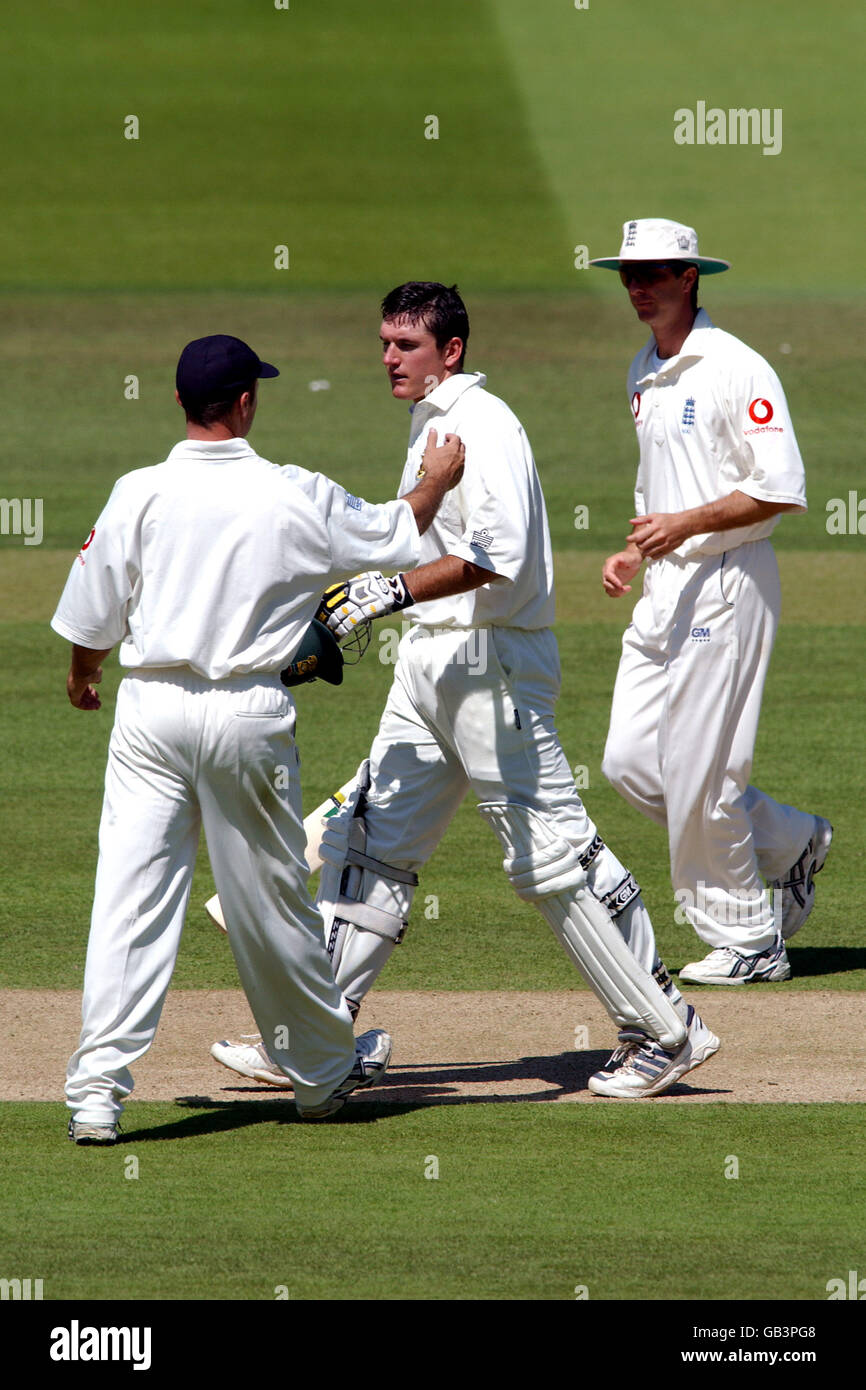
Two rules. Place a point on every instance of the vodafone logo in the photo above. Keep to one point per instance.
(760, 411)
(80, 556)
(635, 404)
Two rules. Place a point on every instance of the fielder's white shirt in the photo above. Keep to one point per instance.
(495, 517)
(710, 421)
(216, 559)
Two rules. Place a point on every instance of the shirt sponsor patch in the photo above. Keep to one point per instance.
(88, 542)
(354, 502)
(700, 634)
(761, 411)
(483, 539)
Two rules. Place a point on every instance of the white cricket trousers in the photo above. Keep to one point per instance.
(474, 709)
(682, 734)
(187, 751)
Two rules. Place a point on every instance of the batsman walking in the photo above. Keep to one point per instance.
(471, 707)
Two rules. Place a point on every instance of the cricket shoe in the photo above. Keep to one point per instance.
(725, 966)
(372, 1055)
(84, 1132)
(797, 886)
(251, 1059)
(640, 1067)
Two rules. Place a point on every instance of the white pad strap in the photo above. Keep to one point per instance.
(370, 918)
(364, 902)
(545, 869)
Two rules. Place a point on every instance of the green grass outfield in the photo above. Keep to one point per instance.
(305, 127)
(530, 1202)
(559, 361)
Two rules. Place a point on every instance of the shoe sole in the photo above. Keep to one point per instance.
(707, 1049)
(772, 977)
(266, 1078)
(320, 1113)
(824, 836)
(90, 1141)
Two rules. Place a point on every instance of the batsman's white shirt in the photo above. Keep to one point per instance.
(472, 703)
(684, 718)
(495, 517)
(711, 420)
(236, 551)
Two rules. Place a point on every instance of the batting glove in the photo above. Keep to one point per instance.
(370, 595)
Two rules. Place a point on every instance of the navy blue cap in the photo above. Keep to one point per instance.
(211, 368)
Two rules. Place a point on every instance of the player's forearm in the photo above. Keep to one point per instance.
(425, 500)
(85, 662)
(85, 672)
(737, 509)
(444, 577)
(632, 554)
(658, 533)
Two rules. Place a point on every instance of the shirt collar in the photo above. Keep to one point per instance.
(443, 396)
(694, 348)
(215, 449)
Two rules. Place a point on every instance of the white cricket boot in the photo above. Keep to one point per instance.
(797, 886)
(372, 1055)
(640, 1067)
(725, 966)
(251, 1059)
(85, 1132)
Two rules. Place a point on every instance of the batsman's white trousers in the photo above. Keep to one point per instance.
(185, 751)
(682, 735)
(474, 708)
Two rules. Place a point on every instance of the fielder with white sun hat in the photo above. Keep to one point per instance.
(719, 464)
(654, 239)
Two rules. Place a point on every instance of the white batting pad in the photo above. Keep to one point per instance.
(544, 869)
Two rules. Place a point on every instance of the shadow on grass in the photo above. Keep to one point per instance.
(406, 1089)
(826, 960)
(562, 1075)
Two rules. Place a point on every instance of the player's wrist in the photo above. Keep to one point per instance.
(401, 591)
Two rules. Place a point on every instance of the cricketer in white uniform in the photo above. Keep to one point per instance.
(719, 463)
(207, 568)
(472, 707)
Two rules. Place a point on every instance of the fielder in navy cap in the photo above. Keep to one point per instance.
(214, 371)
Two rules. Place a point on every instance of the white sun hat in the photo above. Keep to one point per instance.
(655, 239)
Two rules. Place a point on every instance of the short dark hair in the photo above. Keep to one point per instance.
(438, 307)
(678, 268)
(210, 412)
